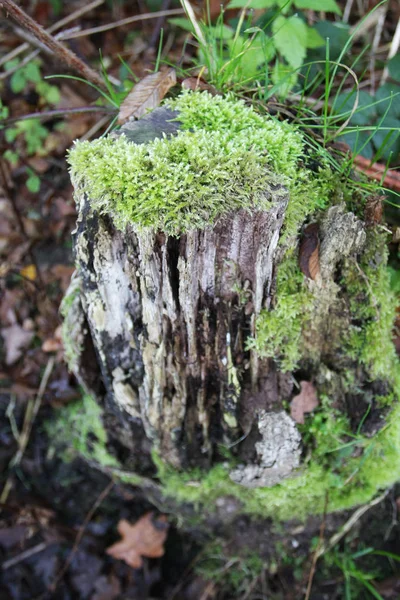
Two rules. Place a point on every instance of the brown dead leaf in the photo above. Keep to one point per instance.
(53, 344)
(305, 402)
(309, 251)
(143, 539)
(16, 340)
(146, 95)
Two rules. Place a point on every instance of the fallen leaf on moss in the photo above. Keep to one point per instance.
(309, 251)
(146, 95)
(143, 539)
(303, 403)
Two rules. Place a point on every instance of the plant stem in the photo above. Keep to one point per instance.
(63, 53)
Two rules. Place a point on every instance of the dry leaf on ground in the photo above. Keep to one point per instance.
(143, 539)
(309, 251)
(146, 95)
(305, 402)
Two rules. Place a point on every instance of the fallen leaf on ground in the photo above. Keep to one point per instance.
(194, 83)
(16, 339)
(146, 95)
(143, 539)
(305, 402)
(54, 343)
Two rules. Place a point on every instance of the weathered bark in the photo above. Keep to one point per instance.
(166, 320)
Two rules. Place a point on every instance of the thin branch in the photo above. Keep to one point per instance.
(62, 112)
(75, 15)
(63, 53)
(127, 21)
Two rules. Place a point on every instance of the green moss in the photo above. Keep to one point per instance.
(356, 482)
(279, 331)
(78, 429)
(372, 304)
(223, 159)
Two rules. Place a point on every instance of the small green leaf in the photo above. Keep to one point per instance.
(33, 183)
(11, 134)
(11, 156)
(314, 39)
(32, 72)
(182, 23)
(18, 81)
(325, 5)
(256, 4)
(394, 67)
(290, 38)
(284, 78)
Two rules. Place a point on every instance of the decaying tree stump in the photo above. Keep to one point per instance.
(162, 329)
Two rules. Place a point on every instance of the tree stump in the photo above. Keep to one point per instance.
(246, 336)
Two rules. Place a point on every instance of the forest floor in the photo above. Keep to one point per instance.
(58, 518)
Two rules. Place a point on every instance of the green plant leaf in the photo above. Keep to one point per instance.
(182, 23)
(10, 134)
(256, 4)
(389, 99)
(314, 39)
(11, 156)
(394, 67)
(283, 78)
(32, 72)
(33, 183)
(290, 38)
(18, 81)
(325, 5)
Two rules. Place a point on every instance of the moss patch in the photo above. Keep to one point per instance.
(78, 429)
(223, 159)
(353, 481)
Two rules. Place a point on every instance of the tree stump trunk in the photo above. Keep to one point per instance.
(166, 331)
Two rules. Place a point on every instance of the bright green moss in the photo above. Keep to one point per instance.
(223, 159)
(372, 304)
(78, 430)
(278, 332)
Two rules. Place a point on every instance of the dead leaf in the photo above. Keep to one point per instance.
(54, 343)
(143, 539)
(305, 402)
(29, 272)
(146, 95)
(16, 339)
(309, 251)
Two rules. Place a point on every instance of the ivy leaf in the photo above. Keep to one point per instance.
(146, 95)
(290, 38)
(326, 5)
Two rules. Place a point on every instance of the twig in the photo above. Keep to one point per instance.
(158, 25)
(32, 410)
(30, 414)
(75, 15)
(80, 534)
(62, 112)
(127, 21)
(27, 554)
(350, 523)
(63, 53)
(316, 555)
